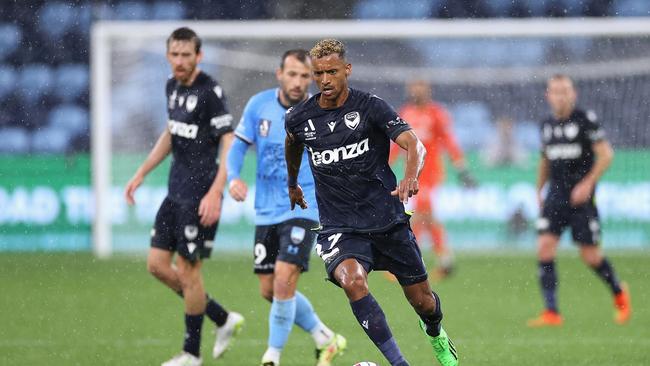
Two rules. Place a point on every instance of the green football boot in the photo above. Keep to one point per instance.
(443, 347)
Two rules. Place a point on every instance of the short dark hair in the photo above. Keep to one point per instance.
(298, 53)
(326, 47)
(185, 34)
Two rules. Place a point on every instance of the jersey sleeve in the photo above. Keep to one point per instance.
(216, 112)
(384, 117)
(246, 128)
(593, 131)
(290, 123)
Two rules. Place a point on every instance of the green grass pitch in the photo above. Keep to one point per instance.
(70, 309)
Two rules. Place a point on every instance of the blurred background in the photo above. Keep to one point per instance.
(492, 86)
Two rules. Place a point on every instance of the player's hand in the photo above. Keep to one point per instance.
(581, 193)
(238, 189)
(210, 208)
(408, 187)
(297, 197)
(467, 180)
(131, 186)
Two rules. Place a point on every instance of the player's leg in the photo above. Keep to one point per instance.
(159, 260)
(585, 228)
(424, 216)
(189, 274)
(399, 252)
(353, 278)
(550, 225)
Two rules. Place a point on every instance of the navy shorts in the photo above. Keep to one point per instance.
(583, 221)
(290, 241)
(177, 228)
(395, 250)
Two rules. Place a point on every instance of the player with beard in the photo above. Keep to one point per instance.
(283, 238)
(575, 154)
(347, 134)
(199, 128)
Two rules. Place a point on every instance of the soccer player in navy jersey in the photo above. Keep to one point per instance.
(284, 238)
(575, 154)
(364, 225)
(199, 127)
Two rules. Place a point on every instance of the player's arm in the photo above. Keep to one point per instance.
(604, 153)
(293, 151)
(415, 153)
(542, 177)
(236, 186)
(453, 149)
(160, 150)
(210, 205)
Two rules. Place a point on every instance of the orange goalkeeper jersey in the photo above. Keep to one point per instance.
(432, 125)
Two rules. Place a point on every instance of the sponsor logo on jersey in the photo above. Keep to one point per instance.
(352, 120)
(191, 247)
(265, 126)
(187, 130)
(571, 131)
(191, 102)
(396, 122)
(310, 131)
(331, 125)
(563, 151)
(347, 152)
(221, 121)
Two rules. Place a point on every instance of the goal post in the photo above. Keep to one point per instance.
(479, 64)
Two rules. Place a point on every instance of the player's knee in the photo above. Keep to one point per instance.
(354, 284)
(155, 268)
(284, 286)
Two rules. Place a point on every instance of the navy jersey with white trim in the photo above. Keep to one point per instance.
(348, 153)
(197, 118)
(568, 146)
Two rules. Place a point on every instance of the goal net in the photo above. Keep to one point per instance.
(490, 74)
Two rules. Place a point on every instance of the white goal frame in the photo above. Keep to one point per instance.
(104, 32)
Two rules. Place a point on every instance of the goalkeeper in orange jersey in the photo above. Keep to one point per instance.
(432, 125)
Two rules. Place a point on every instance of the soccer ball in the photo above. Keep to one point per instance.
(365, 363)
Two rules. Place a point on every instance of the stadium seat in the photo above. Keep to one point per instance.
(536, 8)
(50, 140)
(7, 80)
(71, 81)
(70, 117)
(636, 8)
(388, 9)
(167, 10)
(131, 10)
(10, 37)
(499, 8)
(15, 140)
(471, 124)
(55, 19)
(35, 81)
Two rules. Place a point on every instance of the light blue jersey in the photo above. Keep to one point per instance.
(262, 125)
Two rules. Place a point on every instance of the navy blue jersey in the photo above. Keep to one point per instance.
(568, 146)
(348, 153)
(197, 118)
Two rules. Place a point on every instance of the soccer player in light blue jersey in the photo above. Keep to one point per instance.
(283, 238)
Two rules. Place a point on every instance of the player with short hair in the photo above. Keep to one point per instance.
(199, 128)
(432, 124)
(283, 238)
(347, 134)
(575, 154)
